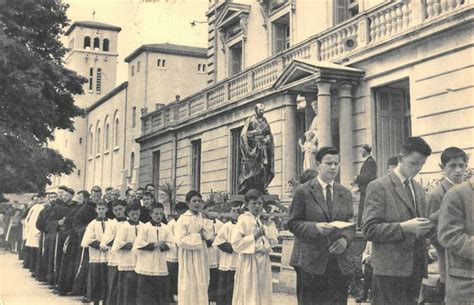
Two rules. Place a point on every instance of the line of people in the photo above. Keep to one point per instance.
(127, 252)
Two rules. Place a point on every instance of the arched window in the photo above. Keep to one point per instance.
(107, 134)
(91, 144)
(98, 141)
(87, 42)
(105, 45)
(98, 82)
(96, 43)
(116, 133)
(132, 165)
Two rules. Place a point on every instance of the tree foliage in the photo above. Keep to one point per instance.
(36, 94)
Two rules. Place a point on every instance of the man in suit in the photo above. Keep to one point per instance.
(368, 173)
(394, 220)
(456, 235)
(319, 252)
(453, 164)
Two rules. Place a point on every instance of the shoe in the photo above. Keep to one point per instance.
(85, 300)
(55, 291)
(361, 299)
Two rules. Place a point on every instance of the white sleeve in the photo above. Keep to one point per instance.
(240, 242)
(108, 234)
(141, 240)
(184, 239)
(222, 236)
(120, 238)
(89, 235)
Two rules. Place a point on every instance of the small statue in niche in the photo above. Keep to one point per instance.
(309, 148)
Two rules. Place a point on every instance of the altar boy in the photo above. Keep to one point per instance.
(118, 209)
(123, 244)
(253, 240)
(151, 245)
(193, 275)
(227, 259)
(97, 277)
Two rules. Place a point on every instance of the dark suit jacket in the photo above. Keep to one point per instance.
(456, 234)
(368, 173)
(434, 199)
(311, 249)
(387, 205)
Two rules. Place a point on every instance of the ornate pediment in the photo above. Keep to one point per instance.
(301, 72)
(270, 7)
(232, 20)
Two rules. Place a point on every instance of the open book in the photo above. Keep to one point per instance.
(341, 224)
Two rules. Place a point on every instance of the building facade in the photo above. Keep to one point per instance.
(103, 145)
(376, 71)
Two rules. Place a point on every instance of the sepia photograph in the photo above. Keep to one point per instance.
(236, 152)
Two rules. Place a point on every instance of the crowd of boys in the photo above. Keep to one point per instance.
(127, 252)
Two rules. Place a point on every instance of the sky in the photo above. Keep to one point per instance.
(159, 21)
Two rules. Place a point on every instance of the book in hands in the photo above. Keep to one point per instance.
(341, 224)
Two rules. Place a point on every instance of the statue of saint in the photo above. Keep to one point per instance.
(256, 144)
(309, 148)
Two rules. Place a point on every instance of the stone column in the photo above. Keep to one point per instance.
(324, 114)
(345, 133)
(289, 147)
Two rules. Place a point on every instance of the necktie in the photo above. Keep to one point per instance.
(410, 195)
(102, 223)
(136, 230)
(329, 200)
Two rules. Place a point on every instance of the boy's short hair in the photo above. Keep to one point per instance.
(392, 161)
(140, 189)
(128, 191)
(101, 203)
(70, 191)
(156, 205)
(308, 175)
(149, 194)
(96, 188)
(252, 194)
(326, 150)
(117, 202)
(367, 148)
(415, 144)
(62, 187)
(134, 206)
(181, 206)
(109, 188)
(452, 153)
(191, 194)
(149, 184)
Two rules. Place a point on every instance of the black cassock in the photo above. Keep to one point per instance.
(82, 218)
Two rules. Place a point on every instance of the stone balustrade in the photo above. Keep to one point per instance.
(378, 25)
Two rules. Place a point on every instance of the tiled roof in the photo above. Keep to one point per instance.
(93, 25)
(168, 48)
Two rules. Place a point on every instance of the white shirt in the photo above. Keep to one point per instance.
(324, 185)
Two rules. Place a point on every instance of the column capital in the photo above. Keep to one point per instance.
(345, 90)
(289, 98)
(324, 88)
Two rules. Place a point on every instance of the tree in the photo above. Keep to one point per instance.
(36, 94)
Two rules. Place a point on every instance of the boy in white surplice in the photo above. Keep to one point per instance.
(253, 239)
(190, 236)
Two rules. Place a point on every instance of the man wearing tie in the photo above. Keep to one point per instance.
(319, 253)
(368, 173)
(395, 221)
